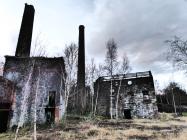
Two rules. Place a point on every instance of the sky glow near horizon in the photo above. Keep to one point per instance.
(139, 28)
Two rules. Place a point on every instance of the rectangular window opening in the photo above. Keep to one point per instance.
(50, 108)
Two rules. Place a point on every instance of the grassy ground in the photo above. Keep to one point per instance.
(184, 113)
(166, 127)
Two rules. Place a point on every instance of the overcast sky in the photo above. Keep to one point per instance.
(139, 27)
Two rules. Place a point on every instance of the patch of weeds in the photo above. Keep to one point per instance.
(63, 123)
(118, 138)
(93, 132)
(43, 138)
(100, 118)
(140, 137)
(155, 134)
(7, 136)
(80, 136)
(74, 117)
(88, 117)
(25, 130)
(184, 114)
(45, 126)
(165, 117)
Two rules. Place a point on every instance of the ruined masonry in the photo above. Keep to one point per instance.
(134, 93)
(36, 78)
(29, 81)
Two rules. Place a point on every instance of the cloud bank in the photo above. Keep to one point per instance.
(139, 27)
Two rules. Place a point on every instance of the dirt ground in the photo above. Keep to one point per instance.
(166, 127)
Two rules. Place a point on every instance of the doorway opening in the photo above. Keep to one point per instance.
(4, 116)
(127, 114)
(50, 108)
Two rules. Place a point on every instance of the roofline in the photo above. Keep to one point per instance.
(37, 57)
(125, 76)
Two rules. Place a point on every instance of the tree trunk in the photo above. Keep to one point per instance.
(111, 109)
(174, 103)
(96, 100)
(25, 98)
(35, 107)
(117, 99)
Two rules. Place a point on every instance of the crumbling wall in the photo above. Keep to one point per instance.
(135, 94)
(31, 75)
(6, 90)
(139, 98)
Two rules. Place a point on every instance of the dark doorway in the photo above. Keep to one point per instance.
(127, 114)
(4, 116)
(50, 109)
(4, 120)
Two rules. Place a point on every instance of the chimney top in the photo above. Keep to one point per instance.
(31, 6)
(25, 34)
(81, 27)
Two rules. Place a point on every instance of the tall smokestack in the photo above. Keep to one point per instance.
(81, 68)
(25, 35)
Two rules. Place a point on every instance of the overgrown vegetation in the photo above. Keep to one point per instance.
(80, 127)
(174, 98)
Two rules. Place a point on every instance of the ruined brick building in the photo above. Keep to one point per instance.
(30, 83)
(134, 93)
(37, 83)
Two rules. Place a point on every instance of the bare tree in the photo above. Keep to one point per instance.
(110, 67)
(39, 50)
(178, 52)
(35, 105)
(125, 68)
(71, 53)
(111, 57)
(26, 93)
(1, 68)
(174, 92)
(90, 78)
(99, 72)
(39, 46)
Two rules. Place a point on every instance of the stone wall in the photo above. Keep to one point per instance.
(35, 75)
(6, 90)
(136, 94)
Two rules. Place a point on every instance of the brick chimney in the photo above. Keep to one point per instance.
(81, 69)
(25, 35)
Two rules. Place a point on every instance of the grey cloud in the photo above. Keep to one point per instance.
(139, 27)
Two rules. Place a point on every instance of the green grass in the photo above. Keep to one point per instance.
(184, 113)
